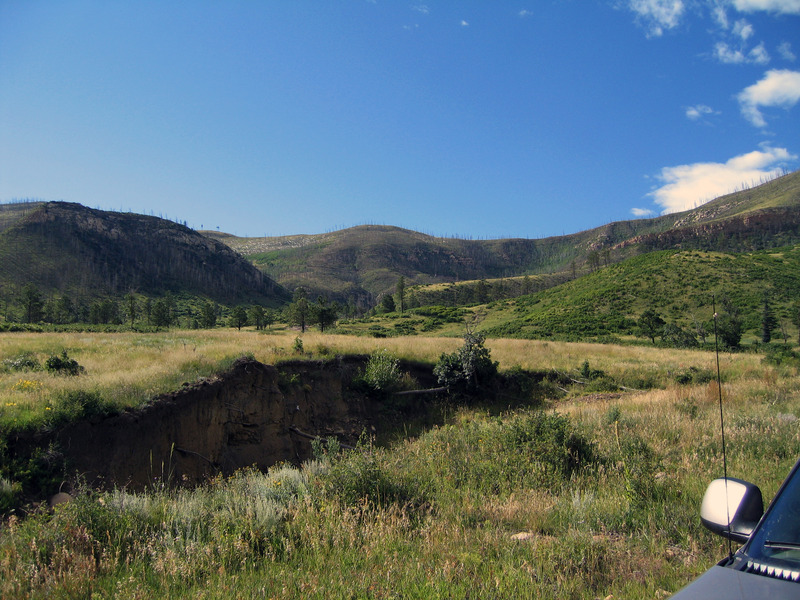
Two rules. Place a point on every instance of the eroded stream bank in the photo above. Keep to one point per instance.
(253, 414)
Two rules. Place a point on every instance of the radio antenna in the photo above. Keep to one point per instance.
(722, 424)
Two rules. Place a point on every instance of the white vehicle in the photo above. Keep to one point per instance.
(768, 564)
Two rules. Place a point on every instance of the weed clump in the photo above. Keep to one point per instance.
(596, 380)
(363, 476)
(693, 375)
(63, 365)
(382, 372)
(23, 362)
(10, 495)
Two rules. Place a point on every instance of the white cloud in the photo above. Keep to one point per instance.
(687, 186)
(642, 212)
(743, 29)
(724, 53)
(720, 16)
(658, 15)
(785, 50)
(698, 111)
(422, 8)
(759, 55)
(779, 87)
(789, 7)
(464, 23)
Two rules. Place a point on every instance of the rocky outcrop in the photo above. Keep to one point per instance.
(752, 231)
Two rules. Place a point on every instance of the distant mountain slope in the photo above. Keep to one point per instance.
(363, 262)
(69, 248)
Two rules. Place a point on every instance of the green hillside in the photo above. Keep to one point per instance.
(678, 285)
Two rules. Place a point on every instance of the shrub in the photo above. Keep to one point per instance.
(673, 335)
(442, 314)
(588, 373)
(10, 493)
(382, 372)
(63, 365)
(35, 475)
(363, 476)
(468, 367)
(80, 404)
(378, 331)
(22, 362)
(404, 329)
(596, 380)
(551, 441)
(781, 355)
(613, 415)
(693, 375)
(431, 324)
(523, 384)
(640, 467)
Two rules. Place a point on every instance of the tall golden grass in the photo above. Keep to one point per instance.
(129, 368)
(467, 521)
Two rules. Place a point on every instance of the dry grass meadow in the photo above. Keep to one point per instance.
(594, 496)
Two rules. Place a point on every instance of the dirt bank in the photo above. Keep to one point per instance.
(254, 414)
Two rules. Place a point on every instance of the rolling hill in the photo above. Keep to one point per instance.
(67, 248)
(360, 263)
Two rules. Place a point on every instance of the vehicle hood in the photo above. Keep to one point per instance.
(723, 582)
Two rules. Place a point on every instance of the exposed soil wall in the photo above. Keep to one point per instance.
(247, 416)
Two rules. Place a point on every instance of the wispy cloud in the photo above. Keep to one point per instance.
(657, 15)
(698, 111)
(742, 29)
(734, 56)
(785, 50)
(687, 186)
(464, 23)
(525, 13)
(779, 87)
(735, 48)
(787, 7)
(720, 15)
(422, 8)
(738, 43)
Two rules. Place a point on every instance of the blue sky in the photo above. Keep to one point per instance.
(487, 119)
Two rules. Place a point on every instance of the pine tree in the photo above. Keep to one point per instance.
(401, 293)
(768, 321)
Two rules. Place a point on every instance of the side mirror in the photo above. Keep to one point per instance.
(732, 508)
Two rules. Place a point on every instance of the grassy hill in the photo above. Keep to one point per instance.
(66, 248)
(679, 285)
(363, 262)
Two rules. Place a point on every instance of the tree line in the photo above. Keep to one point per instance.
(30, 306)
(727, 323)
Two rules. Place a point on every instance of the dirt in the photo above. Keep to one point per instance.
(254, 414)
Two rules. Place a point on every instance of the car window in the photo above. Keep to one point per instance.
(777, 540)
